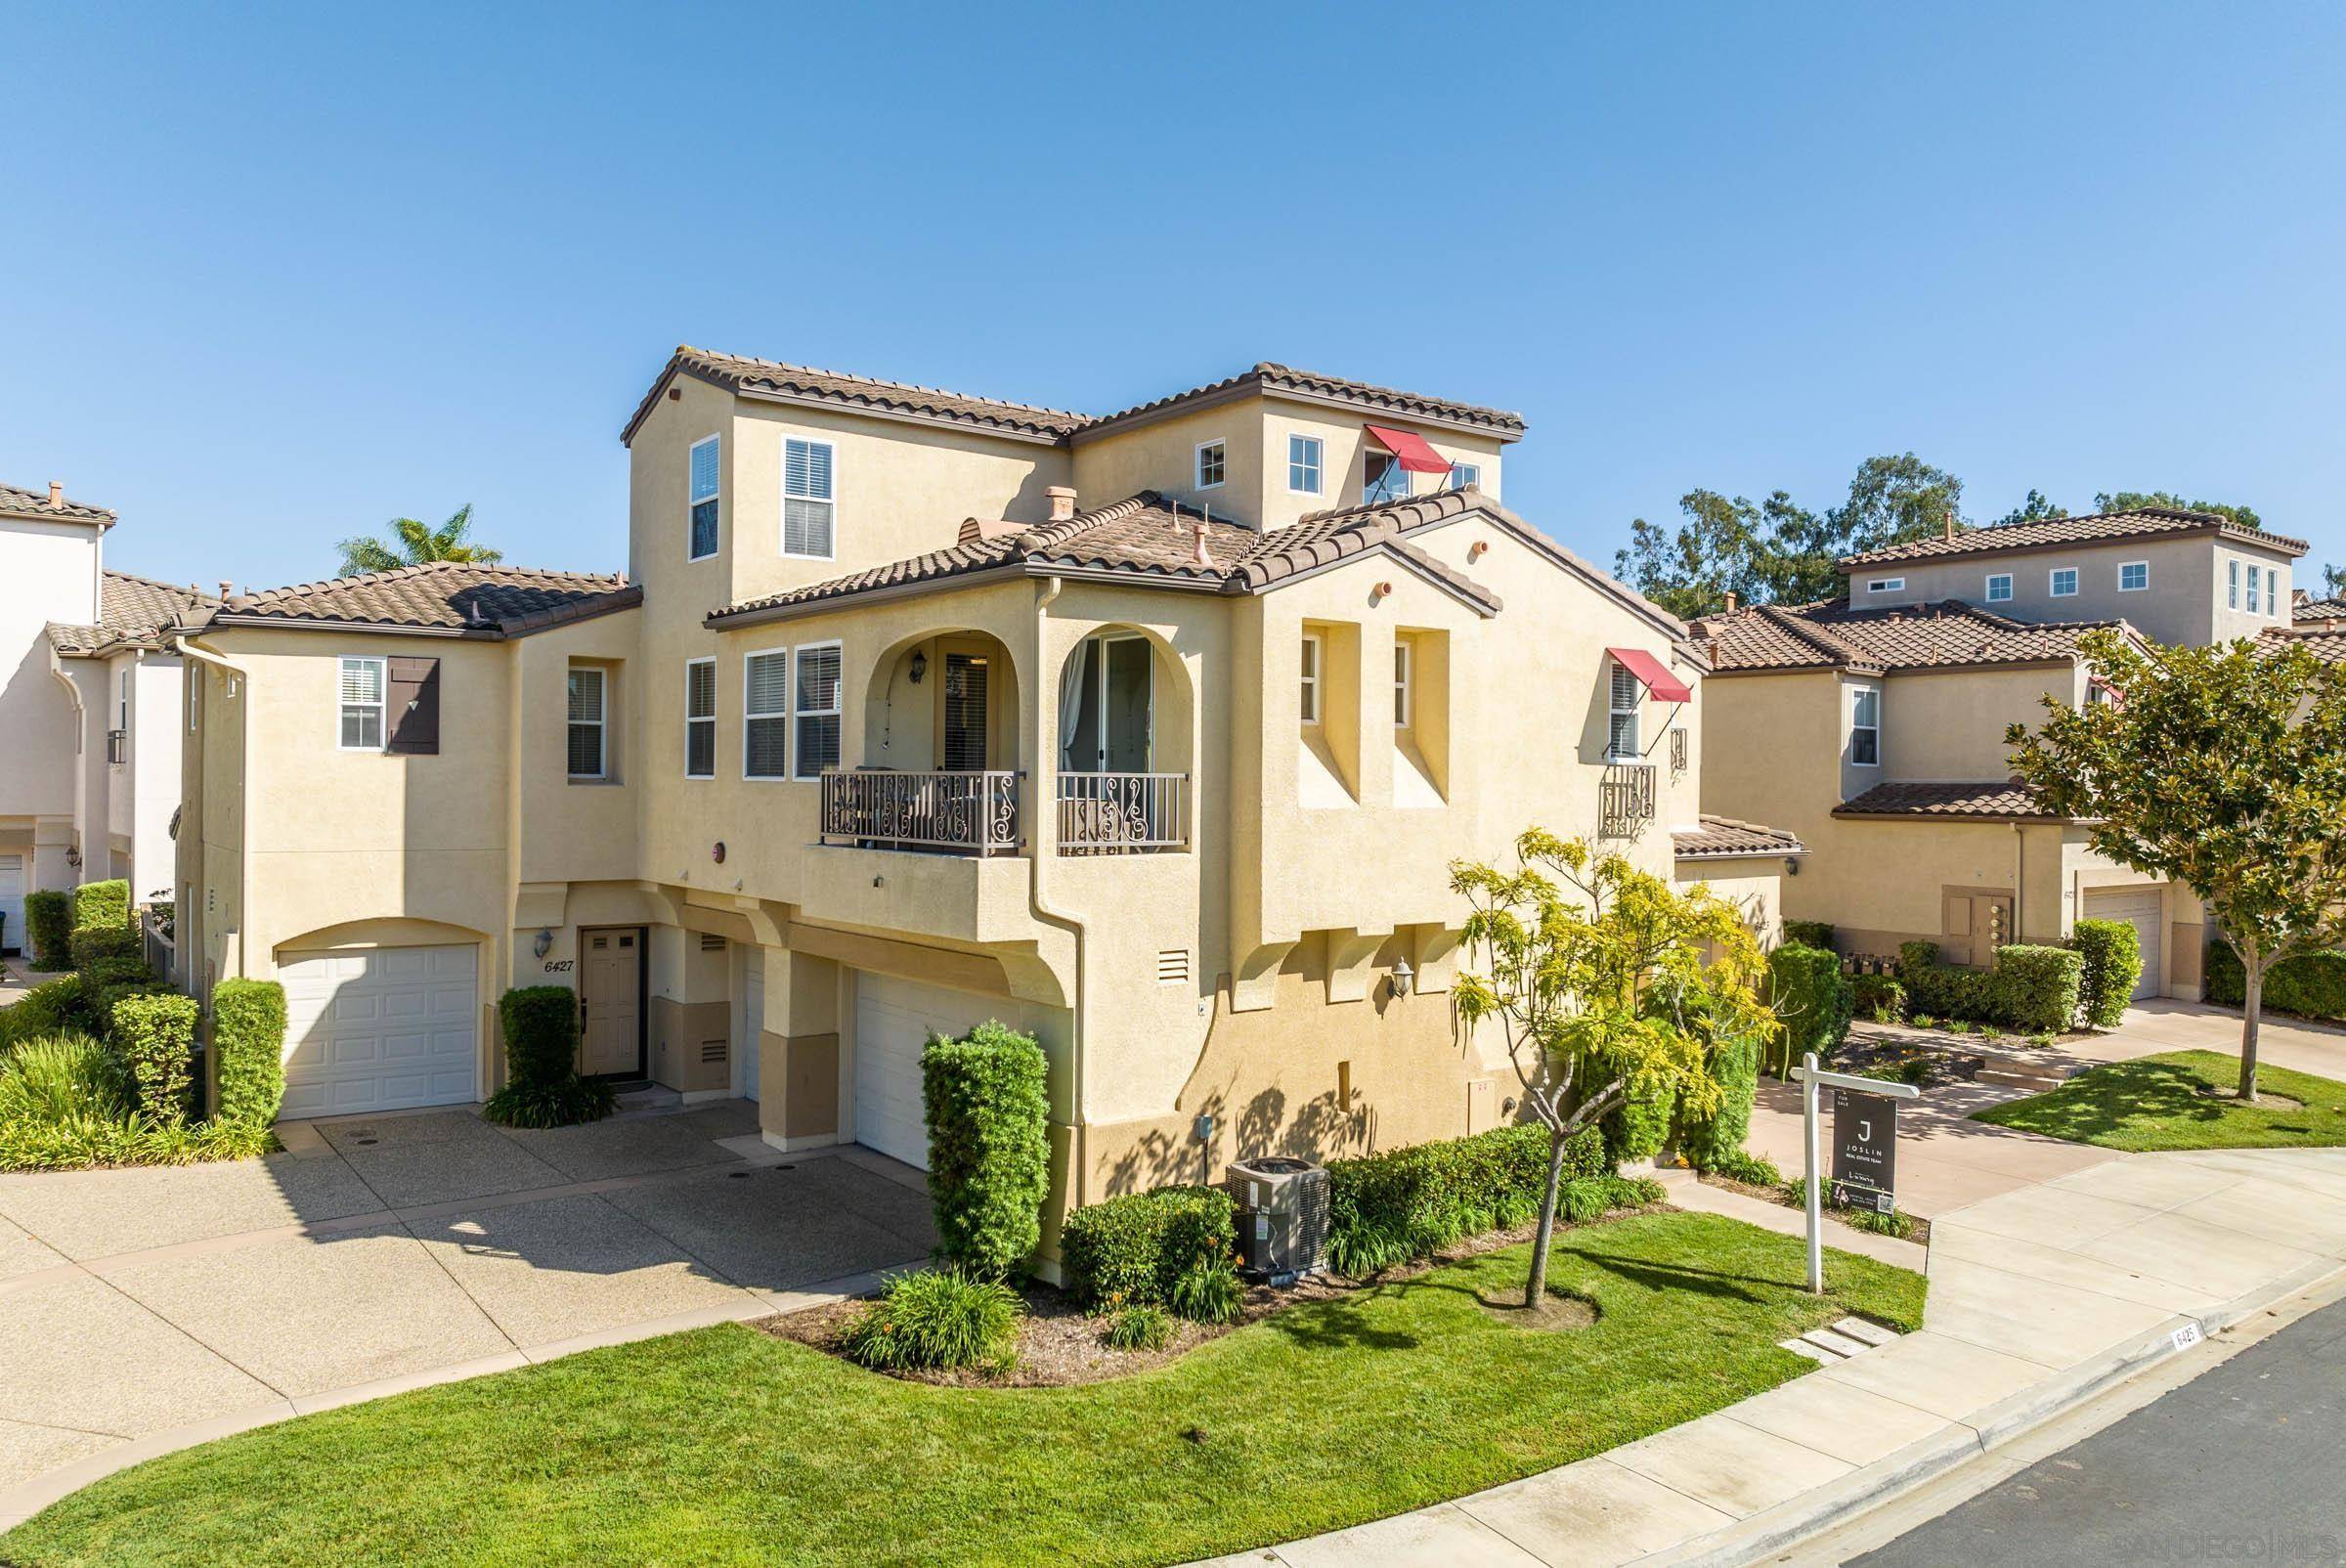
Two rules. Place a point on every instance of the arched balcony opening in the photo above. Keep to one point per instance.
(1124, 746)
(940, 752)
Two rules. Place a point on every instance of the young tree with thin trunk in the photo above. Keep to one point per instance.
(1607, 983)
(2223, 768)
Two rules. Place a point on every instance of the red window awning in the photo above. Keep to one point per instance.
(1651, 675)
(1414, 454)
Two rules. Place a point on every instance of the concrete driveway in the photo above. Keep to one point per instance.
(140, 1309)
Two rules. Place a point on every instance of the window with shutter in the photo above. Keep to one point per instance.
(766, 715)
(700, 719)
(1622, 740)
(412, 706)
(362, 706)
(587, 722)
(807, 500)
(702, 496)
(818, 709)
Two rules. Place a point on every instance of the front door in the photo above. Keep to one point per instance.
(611, 1002)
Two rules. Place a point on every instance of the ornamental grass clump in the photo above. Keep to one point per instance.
(937, 1320)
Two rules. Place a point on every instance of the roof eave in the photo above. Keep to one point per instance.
(765, 615)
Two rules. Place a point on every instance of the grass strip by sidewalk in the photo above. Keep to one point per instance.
(727, 1446)
(2180, 1100)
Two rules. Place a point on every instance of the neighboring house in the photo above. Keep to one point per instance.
(1877, 737)
(90, 708)
(1154, 734)
(2306, 609)
(2176, 577)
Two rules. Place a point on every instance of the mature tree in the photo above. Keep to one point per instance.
(1607, 982)
(1715, 552)
(2037, 508)
(2127, 501)
(2333, 582)
(413, 543)
(2223, 768)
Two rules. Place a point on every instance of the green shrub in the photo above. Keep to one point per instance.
(1943, 991)
(49, 927)
(1140, 1328)
(2312, 985)
(106, 979)
(1812, 998)
(2037, 987)
(63, 1079)
(53, 1007)
(156, 1037)
(1207, 1291)
(1129, 1251)
(2110, 952)
(937, 1319)
(989, 1147)
(248, 1053)
(1742, 1165)
(102, 905)
(1411, 1202)
(1637, 1127)
(93, 944)
(1878, 998)
(1704, 1141)
(1817, 934)
(542, 1087)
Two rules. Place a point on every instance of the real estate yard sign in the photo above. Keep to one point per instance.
(1865, 1151)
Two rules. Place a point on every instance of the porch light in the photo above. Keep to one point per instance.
(920, 665)
(1401, 978)
(544, 944)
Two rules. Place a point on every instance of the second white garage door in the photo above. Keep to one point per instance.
(893, 1020)
(381, 1031)
(2141, 909)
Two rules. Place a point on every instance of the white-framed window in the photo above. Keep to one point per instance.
(1383, 478)
(814, 695)
(701, 492)
(700, 719)
(1865, 726)
(766, 714)
(2256, 586)
(2063, 582)
(2271, 590)
(2134, 577)
(1463, 475)
(1303, 464)
(362, 705)
(195, 679)
(122, 700)
(2234, 575)
(1885, 584)
(810, 504)
(1213, 464)
(1310, 701)
(588, 712)
(1999, 588)
(1622, 744)
(1400, 686)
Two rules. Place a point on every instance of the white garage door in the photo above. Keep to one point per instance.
(2140, 908)
(381, 1031)
(752, 1018)
(12, 903)
(893, 1020)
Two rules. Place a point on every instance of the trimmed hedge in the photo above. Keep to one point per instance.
(104, 979)
(2112, 951)
(1130, 1250)
(248, 1053)
(2312, 985)
(542, 1087)
(1878, 997)
(2037, 987)
(156, 1037)
(93, 944)
(1812, 998)
(1809, 934)
(102, 904)
(988, 1111)
(49, 927)
(1411, 1202)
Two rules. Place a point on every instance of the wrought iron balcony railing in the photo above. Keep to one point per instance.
(952, 813)
(1624, 799)
(1122, 814)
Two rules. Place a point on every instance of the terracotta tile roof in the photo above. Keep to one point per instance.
(1830, 636)
(1269, 377)
(1723, 838)
(443, 597)
(741, 373)
(2053, 532)
(1998, 799)
(17, 502)
(2324, 640)
(131, 610)
(2319, 610)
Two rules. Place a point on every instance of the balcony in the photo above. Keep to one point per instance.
(1624, 800)
(971, 813)
(1123, 813)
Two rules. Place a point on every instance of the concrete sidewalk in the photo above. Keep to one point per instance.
(2039, 1297)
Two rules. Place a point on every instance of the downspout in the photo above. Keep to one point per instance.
(2019, 883)
(187, 647)
(1079, 1134)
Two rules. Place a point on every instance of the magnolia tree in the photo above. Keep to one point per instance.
(2223, 768)
(1607, 983)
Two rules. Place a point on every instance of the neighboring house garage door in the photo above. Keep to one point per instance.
(381, 1031)
(2138, 907)
(12, 903)
(893, 1020)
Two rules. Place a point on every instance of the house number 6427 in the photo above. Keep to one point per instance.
(558, 965)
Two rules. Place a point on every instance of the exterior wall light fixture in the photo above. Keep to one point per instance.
(920, 665)
(544, 944)
(1401, 978)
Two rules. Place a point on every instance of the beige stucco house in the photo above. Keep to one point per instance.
(1154, 734)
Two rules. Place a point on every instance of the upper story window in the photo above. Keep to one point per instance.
(766, 715)
(362, 693)
(1303, 464)
(2133, 576)
(2232, 574)
(701, 496)
(1310, 703)
(123, 701)
(1885, 584)
(817, 696)
(807, 502)
(1400, 686)
(2271, 590)
(587, 722)
(2256, 586)
(1384, 479)
(1465, 475)
(1999, 588)
(1865, 726)
(1622, 743)
(1213, 464)
(2064, 581)
(700, 719)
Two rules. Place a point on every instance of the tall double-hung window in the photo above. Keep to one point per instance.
(766, 715)
(587, 722)
(808, 503)
(701, 496)
(1865, 726)
(362, 705)
(700, 719)
(1622, 744)
(815, 696)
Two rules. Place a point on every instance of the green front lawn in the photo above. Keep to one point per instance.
(726, 1446)
(2165, 1102)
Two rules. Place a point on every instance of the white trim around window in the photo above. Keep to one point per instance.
(1999, 581)
(1212, 458)
(1309, 664)
(361, 688)
(1865, 719)
(589, 697)
(1463, 475)
(2235, 575)
(2061, 581)
(704, 486)
(1306, 465)
(2256, 586)
(1885, 584)
(1403, 708)
(811, 484)
(700, 726)
(1625, 694)
(2134, 577)
(765, 712)
(816, 748)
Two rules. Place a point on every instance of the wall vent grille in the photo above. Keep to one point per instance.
(1173, 965)
(714, 1053)
(712, 944)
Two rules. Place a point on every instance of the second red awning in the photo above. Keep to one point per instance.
(1414, 454)
(1651, 675)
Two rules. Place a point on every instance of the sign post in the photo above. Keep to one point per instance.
(1865, 1144)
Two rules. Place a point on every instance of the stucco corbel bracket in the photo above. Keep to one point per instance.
(1351, 956)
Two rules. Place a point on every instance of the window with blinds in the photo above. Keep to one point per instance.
(1622, 744)
(700, 719)
(361, 695)
(817, 698)
(587, 722)
(765, 715)
(966, 676)
(807, 502)
(701, 497)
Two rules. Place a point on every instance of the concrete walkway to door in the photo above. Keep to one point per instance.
(145, 1309)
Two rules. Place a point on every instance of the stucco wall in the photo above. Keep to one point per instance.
(48, 572)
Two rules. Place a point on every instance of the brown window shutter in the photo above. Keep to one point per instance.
(414, 706)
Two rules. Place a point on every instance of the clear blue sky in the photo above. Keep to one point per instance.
(272, 277)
